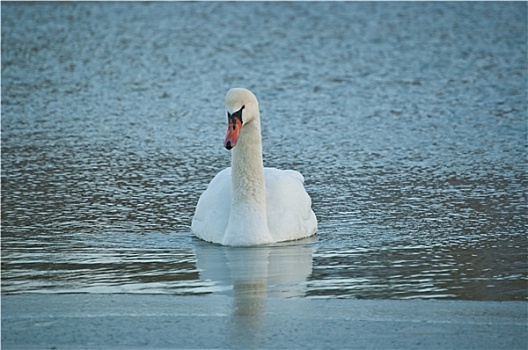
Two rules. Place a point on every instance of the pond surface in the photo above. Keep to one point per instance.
(408, 121)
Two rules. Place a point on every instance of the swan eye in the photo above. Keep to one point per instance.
(236, 115)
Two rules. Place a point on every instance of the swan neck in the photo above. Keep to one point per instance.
(247, 167)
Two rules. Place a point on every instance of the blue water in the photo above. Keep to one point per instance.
(408, 121)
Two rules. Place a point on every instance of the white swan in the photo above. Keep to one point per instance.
(248, 204)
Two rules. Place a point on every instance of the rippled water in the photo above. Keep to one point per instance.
(408, 121)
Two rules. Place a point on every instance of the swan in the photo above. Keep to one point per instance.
(247, 204)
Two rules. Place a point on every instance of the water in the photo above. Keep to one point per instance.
(408, 121)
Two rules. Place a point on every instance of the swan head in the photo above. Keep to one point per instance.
(242, 108)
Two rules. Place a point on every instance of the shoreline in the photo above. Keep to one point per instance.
(115, 321)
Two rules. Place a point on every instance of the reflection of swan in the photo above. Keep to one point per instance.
(252, 274)
(248, 204)
(266, 271)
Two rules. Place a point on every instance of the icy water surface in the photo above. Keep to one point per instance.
(408, 121)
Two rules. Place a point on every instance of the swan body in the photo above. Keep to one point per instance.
(247, 204)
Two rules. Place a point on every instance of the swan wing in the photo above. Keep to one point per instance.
(213, 208)
(289, 207)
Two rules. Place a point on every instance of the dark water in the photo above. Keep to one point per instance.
(408, 121)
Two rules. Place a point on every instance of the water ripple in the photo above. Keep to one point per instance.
(410, 132)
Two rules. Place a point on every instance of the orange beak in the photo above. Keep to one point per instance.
(233, 131)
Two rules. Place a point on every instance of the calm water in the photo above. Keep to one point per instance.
(408, 121)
